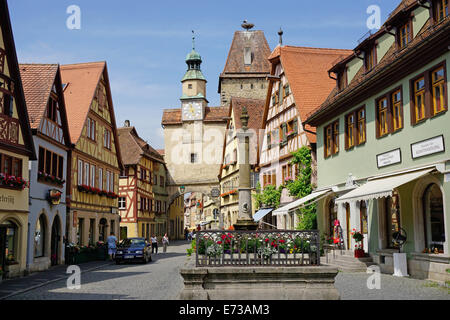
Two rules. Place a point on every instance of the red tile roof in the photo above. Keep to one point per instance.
(260, 49)
(255, 109)
(134, 147)
(37, 81)
(81, 81)
(306, 70)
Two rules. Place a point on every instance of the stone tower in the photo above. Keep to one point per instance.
(247, 66)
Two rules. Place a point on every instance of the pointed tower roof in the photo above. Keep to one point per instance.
(193, 61)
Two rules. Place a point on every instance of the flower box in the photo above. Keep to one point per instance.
(359, 253)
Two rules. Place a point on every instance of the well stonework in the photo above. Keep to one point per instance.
(258, 283)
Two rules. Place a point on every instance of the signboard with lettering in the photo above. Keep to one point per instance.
(427, 147)
(389, 158)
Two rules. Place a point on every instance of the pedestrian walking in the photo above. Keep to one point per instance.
(112, 246)
(165, 242)
(154, 241)
(186, 234)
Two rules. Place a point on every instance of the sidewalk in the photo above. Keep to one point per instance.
(11, 287)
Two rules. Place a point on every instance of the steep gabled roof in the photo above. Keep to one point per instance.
(306, 70)
(260, 50)
(81, 80)
(255, 109)
(19, 97)
(133, 147)
(38, 81)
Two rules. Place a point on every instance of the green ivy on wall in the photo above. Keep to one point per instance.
(269, 197)
(301, 187)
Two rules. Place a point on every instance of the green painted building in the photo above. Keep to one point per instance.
(383, 139)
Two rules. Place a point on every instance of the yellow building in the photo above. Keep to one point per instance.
(95, 160)
(16, 149)
(142, 196)
(176, 219)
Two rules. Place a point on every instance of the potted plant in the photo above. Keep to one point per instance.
(358, 237)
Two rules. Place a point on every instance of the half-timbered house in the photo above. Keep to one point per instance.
(48, 120)
(16, 149)
(142, 196)
(95, 159)
(298, 83)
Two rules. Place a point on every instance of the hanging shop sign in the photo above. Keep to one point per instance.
(389, 158)
(54, 196)
(427, 147)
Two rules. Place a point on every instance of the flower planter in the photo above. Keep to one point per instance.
(359, 253)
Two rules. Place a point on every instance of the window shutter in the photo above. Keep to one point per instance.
(412, 111)
(390, 116)
(295, 125)
(377, 120)
(346, 132)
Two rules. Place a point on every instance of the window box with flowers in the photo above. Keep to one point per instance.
(228, 193)
(47, 178)
(13, 182)
(112, 195)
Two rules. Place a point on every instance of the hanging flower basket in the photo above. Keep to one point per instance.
(54, 196)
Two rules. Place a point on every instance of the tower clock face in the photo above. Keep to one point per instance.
(192, 111)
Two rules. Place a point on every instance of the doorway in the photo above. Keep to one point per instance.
(102, 230)
(433, 217)
(55, 241)
(2, 249)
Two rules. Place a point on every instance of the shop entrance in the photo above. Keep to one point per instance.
(55, 241)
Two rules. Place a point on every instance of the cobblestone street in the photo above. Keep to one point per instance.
(160, 280)
(157, 280)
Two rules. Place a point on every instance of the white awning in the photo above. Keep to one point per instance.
(381, 187)
(261, 213)
(316, 196)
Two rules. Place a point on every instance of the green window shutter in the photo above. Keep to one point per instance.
(295, 125)
(280, 92)
(284, 127)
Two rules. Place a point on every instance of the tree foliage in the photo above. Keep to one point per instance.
(269, 197)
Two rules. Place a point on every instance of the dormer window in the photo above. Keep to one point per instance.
(441, 10)
(247, 56)
(370, 59)
(404, 35)
(52, 109)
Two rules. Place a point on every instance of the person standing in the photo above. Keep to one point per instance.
(186, 232)
(154, 241)
(112, 246)
(165, 242)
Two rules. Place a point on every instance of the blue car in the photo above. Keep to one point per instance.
(133, 249)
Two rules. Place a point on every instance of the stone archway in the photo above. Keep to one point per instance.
(56, 241)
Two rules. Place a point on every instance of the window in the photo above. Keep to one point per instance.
(331, 143)
(107, 139)
(2, 60)
(350, 131)
(441, 10)
(50, 163)
(190, 86)
(419, 99)
(111, 182)
(80, 172)
(193, 158)
(438, 87)
(86, 174)
(100, 178)
(155, 179)
(370, 59)
(404, 34)
(342, 79)
(90, 129)
(92, 176)
(39, 237)
(397, 110)
(287, 90)
(161, 181)
(361, 128)
(52, 109)
(7, 105)
(429, 94)
(382, 112)
(11, 243)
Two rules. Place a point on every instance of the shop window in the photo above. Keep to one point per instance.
(11, 244)
(433, 217)
(39, 237)
(80, 231)
(392, 218)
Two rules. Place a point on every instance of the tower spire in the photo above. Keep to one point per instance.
(193, 40)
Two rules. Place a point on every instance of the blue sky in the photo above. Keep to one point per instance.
(145, 42)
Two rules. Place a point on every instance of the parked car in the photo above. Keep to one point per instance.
(132, 249)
